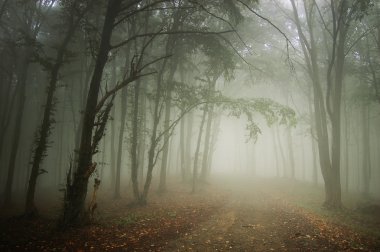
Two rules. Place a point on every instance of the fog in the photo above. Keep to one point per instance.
(256, 105)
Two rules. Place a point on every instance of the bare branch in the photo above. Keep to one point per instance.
(322, 19)
(130, 14)
(135, 74)
(357, 40)
(149, 34)
(269, 22)
(223, 20)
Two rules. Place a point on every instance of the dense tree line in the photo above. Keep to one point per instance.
(94, 89)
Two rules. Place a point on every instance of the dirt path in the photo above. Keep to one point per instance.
(230, 214)
(253, 220)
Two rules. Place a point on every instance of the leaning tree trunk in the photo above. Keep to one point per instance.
(152, 155)
(47, 123)
(76, 191)
(206, 151)
(168, 99)
(207, 143)
(153, 139)
(214, 138)
(168, 105)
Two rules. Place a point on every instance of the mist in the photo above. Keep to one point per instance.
(189, 125)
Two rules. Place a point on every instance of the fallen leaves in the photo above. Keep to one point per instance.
(204, 222)
(121, 228)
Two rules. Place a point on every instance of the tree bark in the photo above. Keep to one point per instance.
(76, 192)
(153, 139)
(206, 149)
(366, 168)
(290, 152)
(134, 152)
(141, 135)
(123, 114)
(168, 104)
(282, 154)
(182, 149)
(188, 142)
(196, 155)
(21, 87)
(47, 121)
(277, 162)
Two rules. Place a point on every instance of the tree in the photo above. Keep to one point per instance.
(76, 191)
(327, 107)
(27, 30)
(75, 13)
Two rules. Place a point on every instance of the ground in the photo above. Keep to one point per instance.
(251, 215)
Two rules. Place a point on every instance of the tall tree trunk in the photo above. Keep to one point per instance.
(168, 100)
(48, 120)
(281, 151)
(290, 152)
(104, 161)
(312, 139)
(141, 144)
(335, 197)
(275, 153)
(182, 149)
(207, 143)
(214, 138)
(135, 135)
(366, 167)
(21, 87)
(114, 177)
(329, 162)
(123, 114)
(60, 148)
(76, 192)
(188, 142)
(152, 155)
(8, 97)
(196, 155)
(168, 104)
(347, 143)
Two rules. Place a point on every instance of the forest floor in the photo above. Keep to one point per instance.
(232, 214)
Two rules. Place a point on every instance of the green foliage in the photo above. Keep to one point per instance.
(361, 8)
(232, 10)
(220, 59)
(270, 110)
(187, 97)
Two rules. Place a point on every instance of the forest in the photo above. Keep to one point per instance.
(189, 125)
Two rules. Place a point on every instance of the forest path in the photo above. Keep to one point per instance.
(230, 214)
(256, 218)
